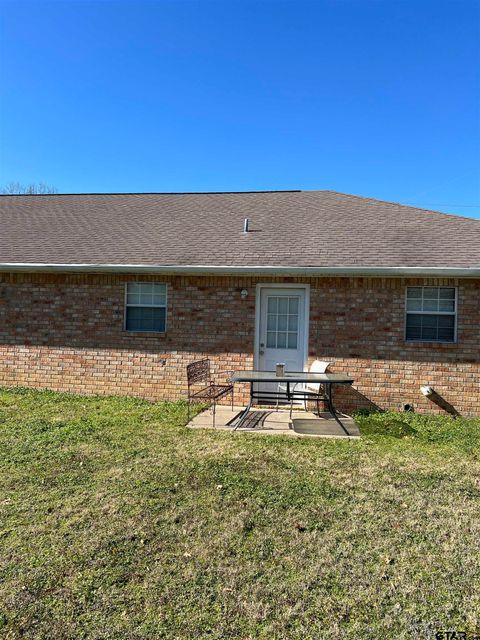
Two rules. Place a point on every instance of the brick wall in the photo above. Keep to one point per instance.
(65, 332)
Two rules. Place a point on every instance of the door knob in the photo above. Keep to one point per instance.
(261, 352)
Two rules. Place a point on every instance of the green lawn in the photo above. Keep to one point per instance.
(118, 522)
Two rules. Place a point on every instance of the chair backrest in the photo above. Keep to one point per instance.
(317, 366)
(199, 372)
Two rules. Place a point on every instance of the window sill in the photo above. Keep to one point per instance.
(430, 343)
(153, 334)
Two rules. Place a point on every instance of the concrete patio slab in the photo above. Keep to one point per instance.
(266, 420)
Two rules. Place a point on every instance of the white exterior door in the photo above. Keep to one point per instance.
(282, 329)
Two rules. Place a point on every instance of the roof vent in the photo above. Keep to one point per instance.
(246, 222)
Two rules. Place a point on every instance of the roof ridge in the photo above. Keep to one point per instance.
(263, 191)
(398, 204)
(151, 193)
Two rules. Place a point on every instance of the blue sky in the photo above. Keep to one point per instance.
(378, 98)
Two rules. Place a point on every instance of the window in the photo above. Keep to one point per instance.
(282, 322)
(146, 306)
(431, 314)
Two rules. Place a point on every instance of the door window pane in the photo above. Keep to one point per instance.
(271, 322)
(293, 323)
(271, 339)
(282, 322)
(281, 340)
(293, 305)
(272, 304)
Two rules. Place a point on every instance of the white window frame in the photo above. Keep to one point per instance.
(432, 313)
(156, 306)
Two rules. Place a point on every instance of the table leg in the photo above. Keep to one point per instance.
(290, 398)
(332, 409)
(244, 414)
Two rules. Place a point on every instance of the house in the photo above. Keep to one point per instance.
(117, 293)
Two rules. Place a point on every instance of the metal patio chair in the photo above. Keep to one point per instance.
(199, 375)
(312, 391)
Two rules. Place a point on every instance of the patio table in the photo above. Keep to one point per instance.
(290, 379)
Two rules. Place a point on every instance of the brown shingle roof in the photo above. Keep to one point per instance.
(289, 229)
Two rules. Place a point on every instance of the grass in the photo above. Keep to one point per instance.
(118, 522)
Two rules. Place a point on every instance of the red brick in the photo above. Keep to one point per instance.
(65, 332)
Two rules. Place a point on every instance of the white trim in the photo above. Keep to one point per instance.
(281, 285)
(436, 272)
(432, 313)
(156, 306)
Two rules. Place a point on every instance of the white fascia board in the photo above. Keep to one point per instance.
(456, 272)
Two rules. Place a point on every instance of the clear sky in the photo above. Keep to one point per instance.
(372, 97)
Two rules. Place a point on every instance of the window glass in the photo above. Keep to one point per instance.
(272, 304)
(271, 322)
(292, 341)
(283, 305)
(271, 339)
(430, 314)
(293, 323)
(281, 340)
(145, 319)
(282, 322)
(293, 305)
(146, 306)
